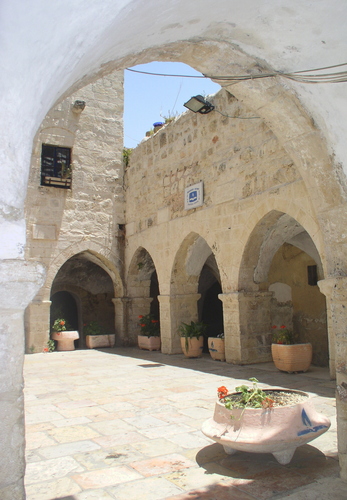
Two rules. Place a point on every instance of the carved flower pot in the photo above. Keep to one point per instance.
(194, 347)
(292, 358)
(278, 430)
(95, 341)
(65, 340)
(216, 348)
(148, 343)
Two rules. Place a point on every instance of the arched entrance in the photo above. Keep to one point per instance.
(143, 291)
(195, 286)
(83, 291)
(278, 285)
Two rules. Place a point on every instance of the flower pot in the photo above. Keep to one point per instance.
(65, 340)
(148, 343)
(277, 430)
(292, 358)
(195, 347)
(95, 341)
(216, 348)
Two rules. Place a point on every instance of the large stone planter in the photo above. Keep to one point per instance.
(148, 343)
(278, 430)
(65, 340)
(216, 348)
(292, 358)
(95, 341)
(195, 347)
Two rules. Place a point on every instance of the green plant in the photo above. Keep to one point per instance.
(51, 345)
(149, 326)
(94, 328)
(126, 155)
(282, 335)
(189, 331)
(60, 325)
(245, 397)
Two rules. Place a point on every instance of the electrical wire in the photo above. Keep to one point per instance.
(304, 76)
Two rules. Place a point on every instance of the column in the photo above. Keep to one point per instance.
(173, 311)
(335, 290)
(37, 326)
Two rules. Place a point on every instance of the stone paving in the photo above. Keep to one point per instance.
(125, 424)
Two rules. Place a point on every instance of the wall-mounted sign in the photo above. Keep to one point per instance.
(194, 196)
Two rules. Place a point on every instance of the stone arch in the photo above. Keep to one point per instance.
(194, 272)
(37, 315)
(93, 289)
(278, 253)
(142, 291)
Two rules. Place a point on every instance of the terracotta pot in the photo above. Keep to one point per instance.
(65, 340)
(95, 341)
(216, 348)
(148, 343)
(278, 430)
(195, 347)
(292, 358)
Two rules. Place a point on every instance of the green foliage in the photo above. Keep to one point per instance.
(282, 335)
(60, 325)
(94, 328)
(189, 331)
(247, 397)
(126, 155)
(51, 345)
(149, 325)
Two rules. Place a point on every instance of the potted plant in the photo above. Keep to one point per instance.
(62, 333)
(288, 355)
(96, 336)
(192, 338)
(216, 347)
(149, 338)
(272, 420)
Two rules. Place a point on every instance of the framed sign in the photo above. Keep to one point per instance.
(194, 196)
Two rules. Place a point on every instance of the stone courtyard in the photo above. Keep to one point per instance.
(125, 424)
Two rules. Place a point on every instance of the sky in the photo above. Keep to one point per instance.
(149, 99)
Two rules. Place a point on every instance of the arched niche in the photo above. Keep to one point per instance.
(278, 285)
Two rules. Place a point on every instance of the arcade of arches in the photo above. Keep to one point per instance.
(120, 242)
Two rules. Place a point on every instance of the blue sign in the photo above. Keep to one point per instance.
(194, 196)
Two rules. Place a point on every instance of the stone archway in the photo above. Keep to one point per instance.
(142, 292)
(278, 254)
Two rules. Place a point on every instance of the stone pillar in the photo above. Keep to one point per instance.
(173, 311)
(327, 288)
(19, 283)
(37, 317)
(136, 306)
(335, 289)
(247, 326)
(120, 314)
(232, 332)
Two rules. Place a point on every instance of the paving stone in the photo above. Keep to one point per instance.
(64, 487)
(68, 449)
(151, 488)
(37, 472)
(162, 465)
(106, 477)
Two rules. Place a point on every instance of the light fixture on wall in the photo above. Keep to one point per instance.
(198, 104)
(78, 106)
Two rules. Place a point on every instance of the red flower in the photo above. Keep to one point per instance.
(222, 392)
(274, 326)
(45, 349)
(62, 322)
(140, 317)
(154, 321)
(283, 326)
(142, 325)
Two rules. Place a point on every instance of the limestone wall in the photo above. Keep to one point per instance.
(62, 222)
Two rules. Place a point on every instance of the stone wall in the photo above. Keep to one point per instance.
(61, 221)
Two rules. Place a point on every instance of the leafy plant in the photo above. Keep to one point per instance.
(126, 155)
(60, 325)
(94, 328)
(192, 330)
(149, 325)
(245, 397)
(282, 335)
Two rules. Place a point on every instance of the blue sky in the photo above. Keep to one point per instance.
(148, 98)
